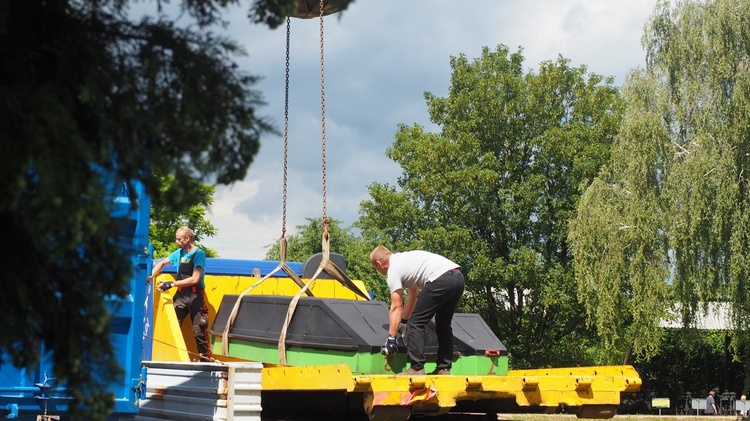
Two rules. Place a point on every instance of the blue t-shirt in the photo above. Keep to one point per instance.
(198, 258)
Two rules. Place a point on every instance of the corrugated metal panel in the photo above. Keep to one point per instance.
(202, 391)
(244, 391)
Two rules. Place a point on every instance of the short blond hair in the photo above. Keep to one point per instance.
(379, 254)
(186, 231)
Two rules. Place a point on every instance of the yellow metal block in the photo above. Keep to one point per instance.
(168, 341)
(322, 377)
(324, 289)
(575, 386)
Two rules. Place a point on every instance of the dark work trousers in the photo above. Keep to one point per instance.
(438, 299)
(191, 300)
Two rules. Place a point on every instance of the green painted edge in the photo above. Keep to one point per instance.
(358, 362)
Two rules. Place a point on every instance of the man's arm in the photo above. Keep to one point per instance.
(397, 308)
(158, 268)
(192, 280)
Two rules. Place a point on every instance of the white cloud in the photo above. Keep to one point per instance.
(240, 235)
(380, 58)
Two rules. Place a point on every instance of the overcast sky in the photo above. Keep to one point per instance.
(380, 57)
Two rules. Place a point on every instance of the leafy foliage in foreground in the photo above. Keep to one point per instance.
(84, 91)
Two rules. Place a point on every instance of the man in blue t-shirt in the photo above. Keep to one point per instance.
(190, 262)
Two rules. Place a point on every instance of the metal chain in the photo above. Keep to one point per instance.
(323, 115)
(286, 127)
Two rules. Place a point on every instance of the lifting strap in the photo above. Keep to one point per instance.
(325, 264)
(282, 241)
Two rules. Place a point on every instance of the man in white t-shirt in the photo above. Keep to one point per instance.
(439, 284)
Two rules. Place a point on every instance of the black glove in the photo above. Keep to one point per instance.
(391, 346)
(165, 286)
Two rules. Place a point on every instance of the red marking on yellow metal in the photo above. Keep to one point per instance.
(418, 395)
(380, 397)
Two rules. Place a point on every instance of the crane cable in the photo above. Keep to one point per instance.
(323, 122)
(286, 129)
(293, 303)
(282, 241)
(325, 263)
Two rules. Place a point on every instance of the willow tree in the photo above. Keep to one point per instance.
(495, 189)
(667, 222)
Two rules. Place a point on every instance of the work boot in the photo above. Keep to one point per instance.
(412, 372)
(441, 372)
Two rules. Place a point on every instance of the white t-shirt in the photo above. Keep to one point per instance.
(417, 267)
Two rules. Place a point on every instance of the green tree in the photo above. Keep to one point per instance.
(691, 361)
(85, 91)
(165, 219)
(667, 221)
(309, 240)
(495, 189)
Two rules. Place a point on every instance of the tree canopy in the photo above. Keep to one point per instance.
(494, 192)
(165, 220)
(84, 91)
(667, 221)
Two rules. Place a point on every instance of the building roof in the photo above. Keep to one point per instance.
(716, 316)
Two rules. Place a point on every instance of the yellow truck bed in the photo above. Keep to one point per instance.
(589, 392)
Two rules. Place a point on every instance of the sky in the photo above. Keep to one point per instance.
(380, 57)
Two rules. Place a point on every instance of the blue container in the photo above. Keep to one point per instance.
(25, 394)
(238, 267)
